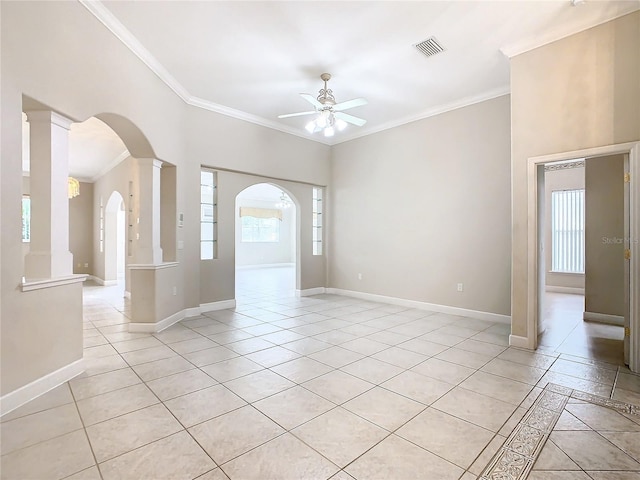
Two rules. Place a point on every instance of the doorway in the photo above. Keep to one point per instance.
(265, 243)
(610, 298)
(115, 241)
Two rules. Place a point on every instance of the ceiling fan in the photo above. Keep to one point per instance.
(331, 114)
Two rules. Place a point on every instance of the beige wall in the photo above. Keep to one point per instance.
(579, 92)
(604, 210)
(422, 207)
(81, 229)
(49, 60)
(564, 179)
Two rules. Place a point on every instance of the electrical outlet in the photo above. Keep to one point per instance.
(175, 290)
(86, 265)
(359, 276)
(460, 287)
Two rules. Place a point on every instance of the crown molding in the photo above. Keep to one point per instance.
(249, 117)
(121, 32)
(102, 13)
(537, 41)
(112, 164)
(432, 112)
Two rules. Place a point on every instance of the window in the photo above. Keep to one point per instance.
(317, 221)
(567, 225)
(260, 229)
(208, 215)
(26, 218)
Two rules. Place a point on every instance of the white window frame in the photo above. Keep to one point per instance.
(208, 215)
(568, 231)
(317, 232)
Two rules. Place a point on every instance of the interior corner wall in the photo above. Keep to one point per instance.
(604, 235)
(579, 92)
(81, 229)
(419, 208)
(562, 179)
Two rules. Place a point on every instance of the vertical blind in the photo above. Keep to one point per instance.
(567, 223)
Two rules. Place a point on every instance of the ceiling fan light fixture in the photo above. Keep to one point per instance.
(330, 115)
(311, 126)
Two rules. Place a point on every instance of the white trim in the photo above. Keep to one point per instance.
(603, 318)
(489, 316)
(219, 305)
(255, 119)
(110, 21)
(192, 312)
(176, 317)
(265, 265)
(152, 266)
(310, 291)
(28, 286)
(571, 290)
(633, 150)
(155, 327)
(110, 166)
(517, 341)
(432, 112)
(537, 41)
(42, 385)
(99, 281)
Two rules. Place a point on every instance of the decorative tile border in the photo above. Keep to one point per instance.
(616, 405)
(520, 451)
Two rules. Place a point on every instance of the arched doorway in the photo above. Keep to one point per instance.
(114, 239)
(266, 228)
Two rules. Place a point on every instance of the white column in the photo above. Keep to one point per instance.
(49, 255)
(148, 250)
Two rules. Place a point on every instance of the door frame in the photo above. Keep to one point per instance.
(535, 175)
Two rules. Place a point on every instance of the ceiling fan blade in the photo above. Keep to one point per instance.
(312, 100)
(296, 114)
(356, 102)
(350, 118)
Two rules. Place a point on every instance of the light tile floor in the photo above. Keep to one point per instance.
(285, 388)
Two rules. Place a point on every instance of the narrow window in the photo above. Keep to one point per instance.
(317, 221)
(26, 218)
(567, 224)
(208, 215)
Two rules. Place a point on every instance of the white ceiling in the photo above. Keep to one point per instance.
(251, 59)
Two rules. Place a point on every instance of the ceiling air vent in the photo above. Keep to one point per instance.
(430, 47)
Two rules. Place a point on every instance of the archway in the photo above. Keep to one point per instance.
(266, 227)
(113, 237)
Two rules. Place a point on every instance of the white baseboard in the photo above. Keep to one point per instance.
(517, 341)
(191, 312)
(491, 317)
(603, 318)
(572, 290)
(310, 291)
(104, 283)
(182, 314)
(22, 395)
(265, 265)
(220, 305)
